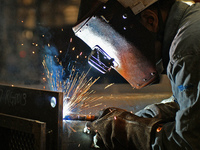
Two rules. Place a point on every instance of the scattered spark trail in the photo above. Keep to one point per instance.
(76, 88)
(109, 85)
(76, 93)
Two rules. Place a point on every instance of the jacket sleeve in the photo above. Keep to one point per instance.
(166, 110)
(184, 132)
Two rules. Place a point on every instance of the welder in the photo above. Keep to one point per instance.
(173, 123)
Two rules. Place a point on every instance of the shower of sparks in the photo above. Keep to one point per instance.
(76, 92)
(76, 88)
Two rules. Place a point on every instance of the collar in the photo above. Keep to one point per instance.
(175, 16)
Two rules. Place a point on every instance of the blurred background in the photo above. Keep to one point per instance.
(26, 27)
(32, 29)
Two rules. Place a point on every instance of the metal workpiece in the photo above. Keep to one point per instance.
(35, 104)
(22, 133)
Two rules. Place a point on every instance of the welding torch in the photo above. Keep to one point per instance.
(80, 117)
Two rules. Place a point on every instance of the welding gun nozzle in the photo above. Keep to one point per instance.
(80, 117)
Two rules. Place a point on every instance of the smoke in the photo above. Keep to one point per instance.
(54, 69)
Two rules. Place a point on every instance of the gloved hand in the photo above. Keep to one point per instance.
(117, 129)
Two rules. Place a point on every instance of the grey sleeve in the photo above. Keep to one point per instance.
(166, 110)
(184, 132)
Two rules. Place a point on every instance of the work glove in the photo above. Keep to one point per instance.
(118, 129)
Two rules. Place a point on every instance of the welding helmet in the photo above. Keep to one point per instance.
(119, 41)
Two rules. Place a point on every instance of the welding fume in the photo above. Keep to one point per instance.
(141, 39)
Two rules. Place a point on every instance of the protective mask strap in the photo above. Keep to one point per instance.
(159, 66)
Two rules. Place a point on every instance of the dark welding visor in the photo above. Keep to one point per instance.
(119, 41)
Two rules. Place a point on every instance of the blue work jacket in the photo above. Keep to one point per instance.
(180, 114)
(182, 45)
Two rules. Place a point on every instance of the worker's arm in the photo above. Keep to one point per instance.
(166, 110)
(184, 131)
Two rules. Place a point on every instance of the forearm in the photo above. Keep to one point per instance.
(183, 133)
(166, 110)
